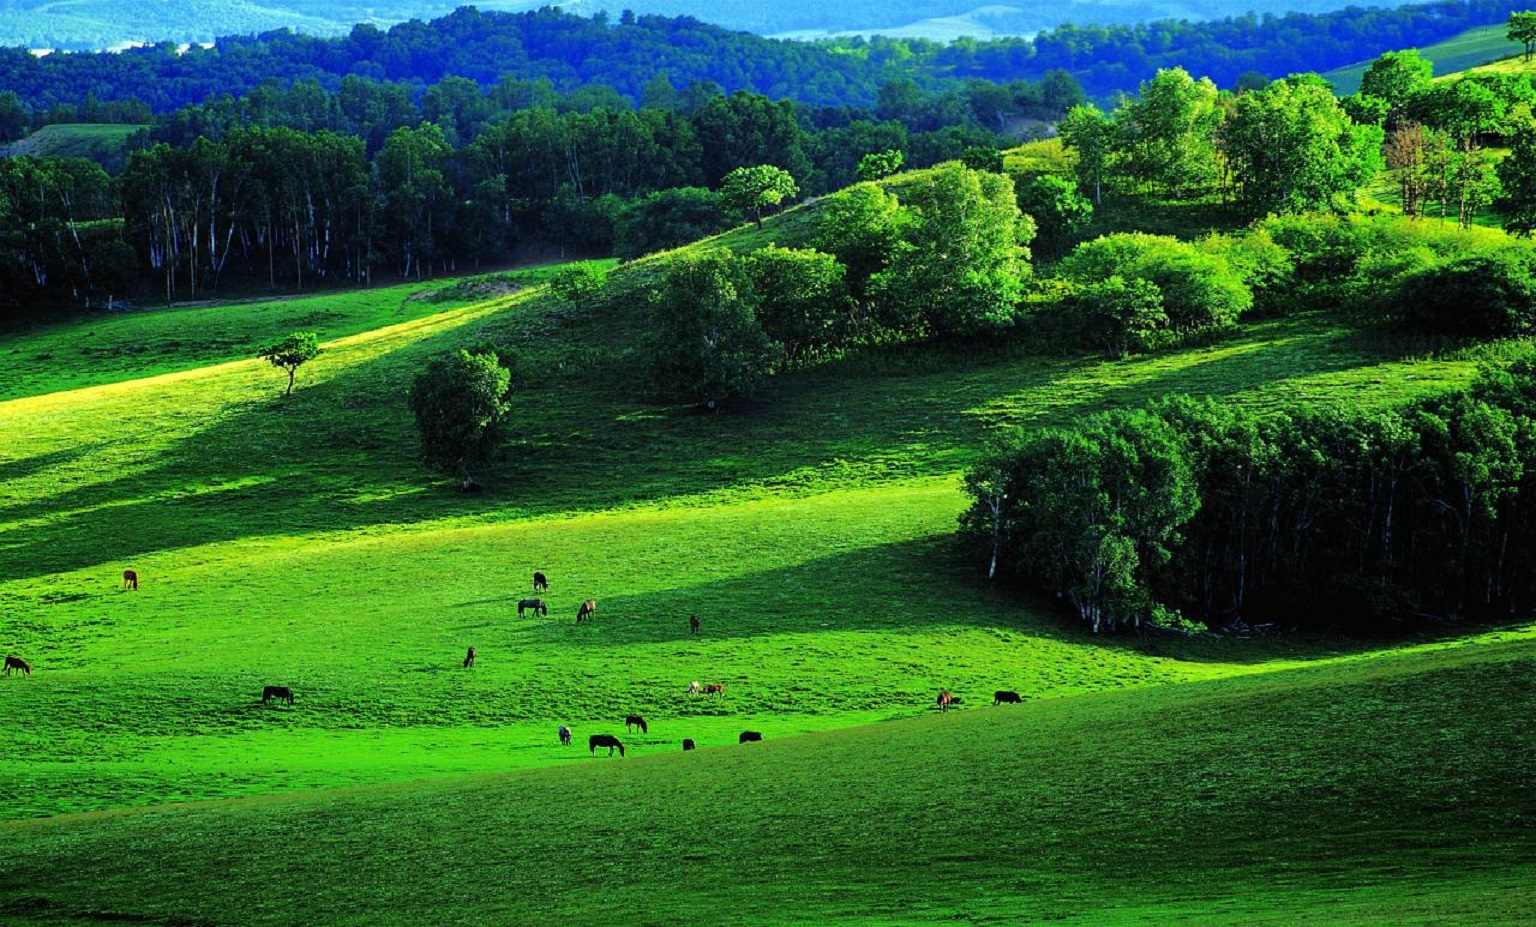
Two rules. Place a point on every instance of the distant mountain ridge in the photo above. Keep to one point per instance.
(104, 24)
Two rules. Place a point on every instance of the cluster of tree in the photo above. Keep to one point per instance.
(627, 53)
(946, 260)
(1287, 146)
(59, 231)
(1194, 509)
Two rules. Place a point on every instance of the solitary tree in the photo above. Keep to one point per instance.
(878, 165)
(460, 402)
(754, 189)
(1522, 29)
(1394, 77)
(292, 353)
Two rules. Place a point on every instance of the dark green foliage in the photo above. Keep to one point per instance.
(1060, 212)
(668, 219)
(983, 158)
(291, 353)
(706, 344)
(1120, 316)
(1321, 519)
(1517, 177)
(802, 299)
(879, 165)
(1486, 295)
(461, 402)
(754, 189)
(1522, 29)
(959, 265)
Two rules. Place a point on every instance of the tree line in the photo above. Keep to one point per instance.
(1195, 510)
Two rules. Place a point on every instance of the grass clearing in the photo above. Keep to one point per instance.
(1467, 51)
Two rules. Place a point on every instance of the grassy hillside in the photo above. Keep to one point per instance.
(299, 542)
(106, 144)
(1469, 50)
(1372, 791)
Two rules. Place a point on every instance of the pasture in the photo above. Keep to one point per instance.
(299, 543)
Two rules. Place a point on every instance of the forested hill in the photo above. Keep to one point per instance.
(630, 52)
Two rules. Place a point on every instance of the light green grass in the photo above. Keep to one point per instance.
(101, 142)
(1460, 53)
(298, 542)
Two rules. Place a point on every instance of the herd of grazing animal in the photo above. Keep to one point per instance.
(538, 606)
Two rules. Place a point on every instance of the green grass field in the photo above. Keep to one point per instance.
(298, 542)
(104, 143)
(1464, 52)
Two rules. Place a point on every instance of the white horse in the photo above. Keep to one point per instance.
(693, 687)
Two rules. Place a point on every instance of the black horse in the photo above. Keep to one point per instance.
(631, 721)
(540, 583)
(278, 693)
(469, 658)
(604, 740)
(565, 736)
(748, 737)
(537, 606)
(687, 743)
(1004, 697)
(693, 624)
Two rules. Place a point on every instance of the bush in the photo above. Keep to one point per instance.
(1491, 295)
(578, 285)
(706, 344)
(1059, 210)
(1201, 292)
(801, 297)
(668, 219)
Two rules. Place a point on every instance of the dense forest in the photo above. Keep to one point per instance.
(628, 52)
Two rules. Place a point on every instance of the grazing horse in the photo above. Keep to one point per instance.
(280, 693)
(540, 583)
(693, 687)
(469, 658)
(749, 737)
(604, 740)
(635, 721)
(17, 663)
(715, 688)
(693, 624)
(565, 736)
(536, 606)
(1004, 697)
(587, 610)
(687, 743)
(130, 580)
(944, 700)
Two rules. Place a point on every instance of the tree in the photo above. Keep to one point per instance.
(1517, 177)
(802, 298)
(1120, 316)
(879, 165)
(1486, 295)
(667, 219)
(1395, 77)
(1091, 133)
(291, 353)
(983, 158)
(1059, 211)
(1522, 29)
(861, 226)
(578, 285)
(1293, 149)
(1169, 130)
(960, 266)
(753, 189)
(461, 402)
(1201, 291)
(706, 344)
(1406, 154)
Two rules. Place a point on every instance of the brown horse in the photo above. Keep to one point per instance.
(1005, 697)
(944, 700)
(540, 583)
(635, 721)
(469, 658)
(130, 580)
(278, 693)
(17, 663)
(715, 688)
(587, 610)
(693, 624)
(749, 737)
(604, 740)
(537, 606)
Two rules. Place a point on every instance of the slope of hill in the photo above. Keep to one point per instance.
(1475, 47)
(104, 144)
(1370, 791)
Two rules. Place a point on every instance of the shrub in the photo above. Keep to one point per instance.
(1201, 292)
(706, 344)
(1490, 295)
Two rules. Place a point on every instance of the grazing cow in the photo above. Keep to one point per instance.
(280, 693)
(130, 580)
(536, 606)
(604, 740)
(587, 610)
(693, 624)
(17, 663)
(749, 737)
(944, 700)
(715, 688)
(469, 658)
(635, 721)
(565, 736)
(693, 687)
(540, 583)
(687, 743)
(1004, 697)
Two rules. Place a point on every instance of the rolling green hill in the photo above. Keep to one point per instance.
(105, 144)
(298, 542)
(1469, 50)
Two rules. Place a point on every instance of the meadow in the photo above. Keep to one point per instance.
(299, 542)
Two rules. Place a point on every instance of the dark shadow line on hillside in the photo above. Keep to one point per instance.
(309, 448)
